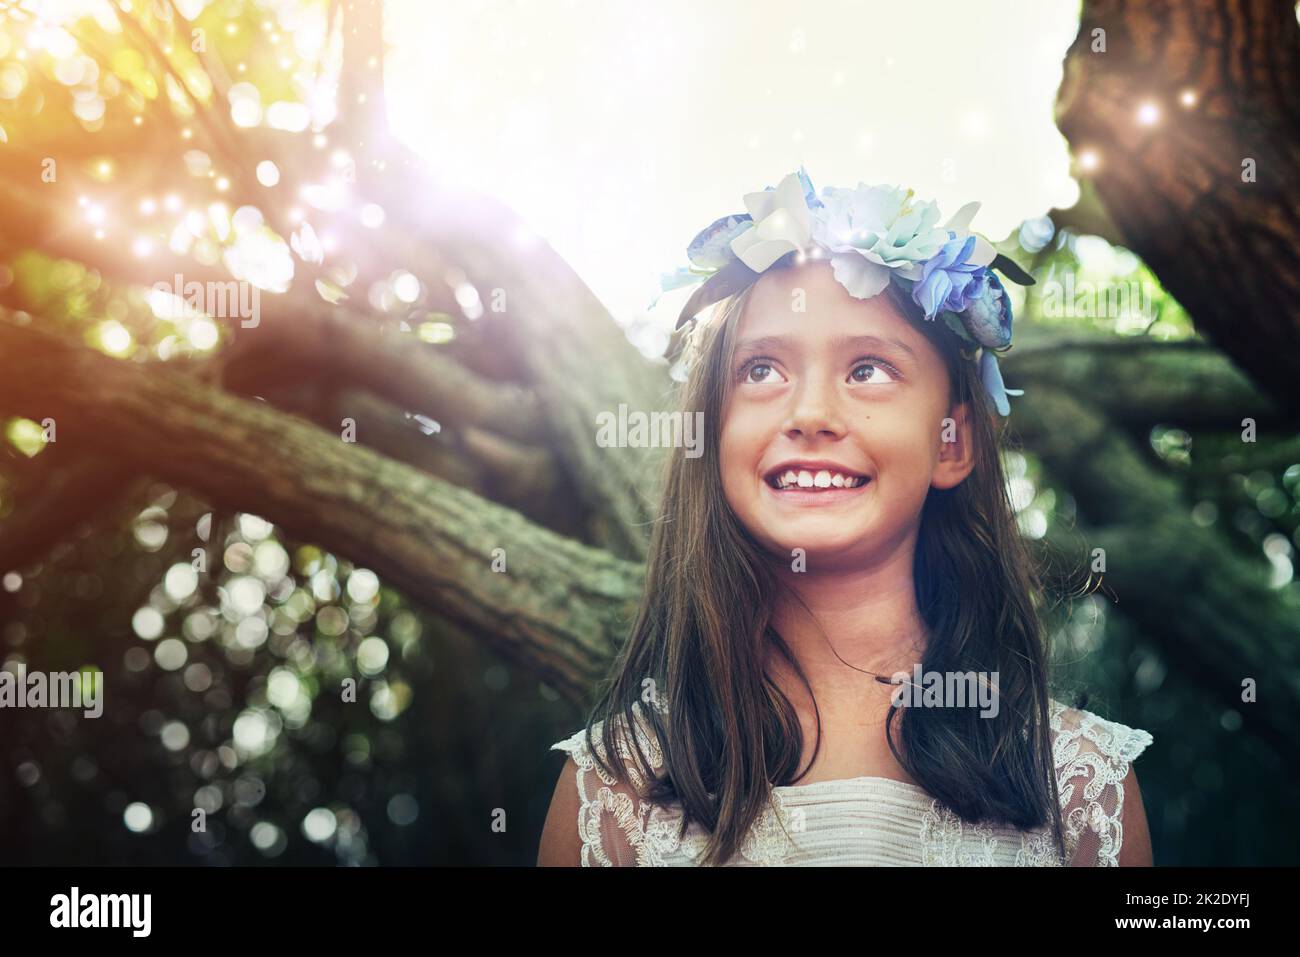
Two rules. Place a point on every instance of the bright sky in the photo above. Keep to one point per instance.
(619, 129)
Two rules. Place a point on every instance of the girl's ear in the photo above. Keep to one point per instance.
(956, 449)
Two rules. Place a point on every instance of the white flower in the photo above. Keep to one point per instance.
(782, 224)
(959, 226)
(872, 230)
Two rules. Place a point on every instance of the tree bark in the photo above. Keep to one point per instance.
(556, 608)
(572, 354)
(50, 501)
(1177, 189)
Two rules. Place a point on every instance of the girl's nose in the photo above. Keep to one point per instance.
(813, 410)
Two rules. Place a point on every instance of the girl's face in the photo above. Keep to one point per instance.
(846, 388)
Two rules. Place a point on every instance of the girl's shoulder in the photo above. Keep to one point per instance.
(584, 751)
(614, 822)
(1093, 758)
(1077, 732)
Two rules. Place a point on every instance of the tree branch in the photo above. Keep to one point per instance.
(556, 609)
(1138, 382)
(554, 326)
(52, 498)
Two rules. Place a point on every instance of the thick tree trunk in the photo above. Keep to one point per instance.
(1203, 190)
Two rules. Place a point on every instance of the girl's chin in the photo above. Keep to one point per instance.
(821, 531)
(818, 529)
(819, 553)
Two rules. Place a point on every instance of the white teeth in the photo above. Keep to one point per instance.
(822, 478)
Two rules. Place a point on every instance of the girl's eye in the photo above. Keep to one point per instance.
(754, 365)
(878, 368)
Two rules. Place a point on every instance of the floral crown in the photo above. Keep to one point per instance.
(872, 235)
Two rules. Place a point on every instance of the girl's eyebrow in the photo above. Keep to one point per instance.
(839, 342)
(871, 342)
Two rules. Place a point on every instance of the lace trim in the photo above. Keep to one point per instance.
(948, 841)
(1038, 849)
(1101, 768)
(768, 842)
(650, 839)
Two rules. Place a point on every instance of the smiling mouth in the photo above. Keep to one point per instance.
(814, 480)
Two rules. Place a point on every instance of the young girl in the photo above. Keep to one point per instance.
(834, 571)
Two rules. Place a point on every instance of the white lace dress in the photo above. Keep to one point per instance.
(869, 820)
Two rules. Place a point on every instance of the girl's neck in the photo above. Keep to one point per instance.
(866, 616)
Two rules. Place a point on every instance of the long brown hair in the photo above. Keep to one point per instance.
(695, 654)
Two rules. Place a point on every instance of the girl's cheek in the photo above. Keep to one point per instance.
(740, 429)
(731, 457)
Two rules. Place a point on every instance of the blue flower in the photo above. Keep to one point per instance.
(991, 376)
(948, 280)
(988, 316)
(711, 247)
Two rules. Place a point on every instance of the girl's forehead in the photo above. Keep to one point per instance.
(806, 301)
